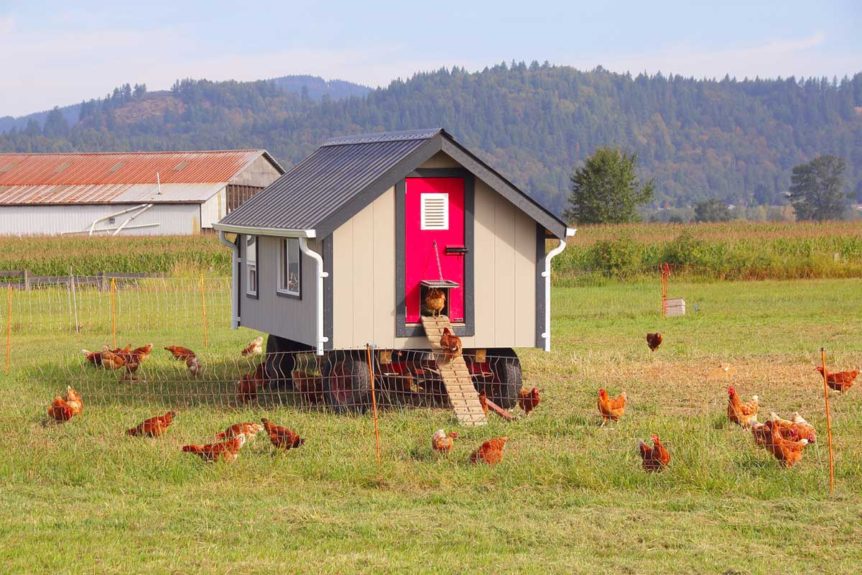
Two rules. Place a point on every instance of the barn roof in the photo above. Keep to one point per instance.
(115, 178)
(345, 174)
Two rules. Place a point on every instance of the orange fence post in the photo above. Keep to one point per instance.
(828, 422)
(204, 310)
(114, 310)
(373, 400)
(8, 328)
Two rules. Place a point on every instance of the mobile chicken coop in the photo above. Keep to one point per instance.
(341, 251)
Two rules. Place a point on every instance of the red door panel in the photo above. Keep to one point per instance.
(434, 213)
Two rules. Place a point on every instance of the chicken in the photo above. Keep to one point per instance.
(249, 429)
(254, 347)
(179, 352)
(786, 451)
(435, 301)
(490, 452)
(94, 357)
(840, 380)
(442, 441)
(611, 408)
(793, 430)
(282, 437)
(528, 400)
(653, 340)
(60, 410)
(154, 426)
(247, 386)
(194, 365)
(654, 458)
(451, 344)
(807, 430)
(745, 414)
(111, 360)
(74, 401)
(761, 434)
(226, 450)
(143, 352)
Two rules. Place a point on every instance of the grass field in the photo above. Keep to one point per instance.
(570, 496)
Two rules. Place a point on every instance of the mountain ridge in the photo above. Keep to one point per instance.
(699, 139)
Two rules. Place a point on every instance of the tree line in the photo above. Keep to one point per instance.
(732, 141)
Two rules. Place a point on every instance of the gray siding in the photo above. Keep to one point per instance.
(275, 314)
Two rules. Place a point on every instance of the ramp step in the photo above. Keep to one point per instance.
(456, 376)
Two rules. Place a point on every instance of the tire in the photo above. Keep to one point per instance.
(346, 385)
(507, 378)
(281, 359)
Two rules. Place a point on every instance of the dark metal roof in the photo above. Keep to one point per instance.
(346, 174)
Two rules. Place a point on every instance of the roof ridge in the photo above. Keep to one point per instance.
(378, 137)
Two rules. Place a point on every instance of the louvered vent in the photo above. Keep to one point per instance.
(435, 211)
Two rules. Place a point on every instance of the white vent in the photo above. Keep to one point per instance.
(434, 211)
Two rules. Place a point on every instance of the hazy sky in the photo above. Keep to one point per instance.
(60, 52)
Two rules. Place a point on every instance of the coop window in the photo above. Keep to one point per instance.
(290, 268)
(251, 265)
(434, 211)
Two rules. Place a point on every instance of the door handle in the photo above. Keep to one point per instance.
(452, 250)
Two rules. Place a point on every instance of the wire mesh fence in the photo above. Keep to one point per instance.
(683, 399)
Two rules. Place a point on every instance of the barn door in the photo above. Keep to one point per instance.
(434, 228)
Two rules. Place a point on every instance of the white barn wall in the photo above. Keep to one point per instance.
(214, 209)
(173, 219)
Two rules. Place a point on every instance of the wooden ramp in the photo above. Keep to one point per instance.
(456, 377)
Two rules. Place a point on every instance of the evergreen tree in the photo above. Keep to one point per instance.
(816, 190)
(606, 189)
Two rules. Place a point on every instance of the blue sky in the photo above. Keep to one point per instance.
(60, 52)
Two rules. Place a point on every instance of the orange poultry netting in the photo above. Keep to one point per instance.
(683, 400)
(340, 381)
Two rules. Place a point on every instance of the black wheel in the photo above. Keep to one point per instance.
(281, 360)
(506, 384)
(346, 384)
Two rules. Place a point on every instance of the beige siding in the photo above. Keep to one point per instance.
(504, 276)
(440, 160)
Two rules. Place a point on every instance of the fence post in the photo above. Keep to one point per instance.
(204, 310)
(828, 422)
(74, 301)
(25, 275)
(103, 281)
(8, 328)
(370, 358)
(114, 311)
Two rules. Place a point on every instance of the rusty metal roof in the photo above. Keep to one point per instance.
(32, 179)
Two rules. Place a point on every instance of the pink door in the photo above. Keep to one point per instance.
(434, 213)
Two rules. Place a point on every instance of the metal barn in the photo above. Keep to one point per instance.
(156, 193)
(339, 253)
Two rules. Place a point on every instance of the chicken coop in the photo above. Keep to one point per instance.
(391, 240)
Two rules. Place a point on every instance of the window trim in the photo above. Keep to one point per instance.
(248, 267)
(283, 254)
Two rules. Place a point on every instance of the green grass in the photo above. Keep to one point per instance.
(570, 497)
